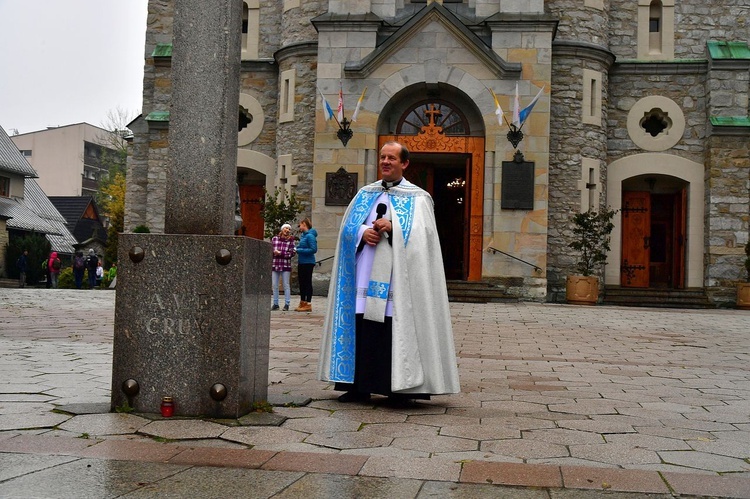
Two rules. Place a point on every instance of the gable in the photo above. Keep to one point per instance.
(434, 33)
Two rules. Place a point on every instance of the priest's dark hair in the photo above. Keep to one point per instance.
(404, 156)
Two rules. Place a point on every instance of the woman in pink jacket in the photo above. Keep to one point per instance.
(54, 265)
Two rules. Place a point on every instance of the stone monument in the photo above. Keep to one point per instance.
(192, 320)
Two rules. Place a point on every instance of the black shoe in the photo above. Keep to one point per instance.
(275, 307)
(354, 397)
(286, 308)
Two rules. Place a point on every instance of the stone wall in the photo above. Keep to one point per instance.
(581, 23)
(572, 140)
(146, 192)
(687, 90)
(695, 22)
(727, 214)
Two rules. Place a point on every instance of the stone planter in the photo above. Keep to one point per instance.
(743, 295)
(582, 290)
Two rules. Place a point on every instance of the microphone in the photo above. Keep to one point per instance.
(380, 210)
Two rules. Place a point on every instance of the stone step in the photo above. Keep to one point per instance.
(477, 292)
(652, 297)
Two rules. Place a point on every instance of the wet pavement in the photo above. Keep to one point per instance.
(557, 401)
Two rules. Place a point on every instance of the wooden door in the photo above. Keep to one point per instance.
(251, 201)
(430, 141)
(680, 239)
(636, 234)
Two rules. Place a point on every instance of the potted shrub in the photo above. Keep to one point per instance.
(592, 232)
(743, 288)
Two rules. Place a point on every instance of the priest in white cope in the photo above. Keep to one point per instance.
(388, 327)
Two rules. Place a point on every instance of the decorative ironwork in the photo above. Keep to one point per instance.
(630, 270)
(345, 133)
(340, 187)
(515, 135)
(432, 114)
(629, 209)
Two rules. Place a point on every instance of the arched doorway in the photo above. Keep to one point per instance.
(255, 173)
(672, 190)
(449, 164)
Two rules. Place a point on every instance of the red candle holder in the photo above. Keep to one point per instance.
(167, 407)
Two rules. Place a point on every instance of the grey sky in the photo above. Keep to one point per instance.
(69, 61)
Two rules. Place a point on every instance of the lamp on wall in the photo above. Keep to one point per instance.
(651, 181)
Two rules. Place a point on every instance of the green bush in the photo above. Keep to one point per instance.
(38, 248)
(65, 279)
(278, 210)
(591, 232)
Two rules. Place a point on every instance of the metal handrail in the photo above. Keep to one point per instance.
(320, 262)
(495, 250)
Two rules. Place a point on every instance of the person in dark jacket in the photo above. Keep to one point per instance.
(92, 262)
(23, 267)
(79, 267)
(306, 249)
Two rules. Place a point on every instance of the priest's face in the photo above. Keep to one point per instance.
(391, 166)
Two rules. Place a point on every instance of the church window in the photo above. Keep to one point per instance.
(286, 97)
(245, 119)
(250, 29)
(655, 29)
(4, 187)
(285, 181)
(655, 122)
(589, 185)
(435, 112)
(591, 105)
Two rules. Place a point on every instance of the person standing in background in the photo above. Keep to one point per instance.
(23, 267)
(79, 267)
(306, 249)
(281, 266)
(54, 265)
(92, 262)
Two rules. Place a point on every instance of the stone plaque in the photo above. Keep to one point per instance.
(517, 191)
(340, 187)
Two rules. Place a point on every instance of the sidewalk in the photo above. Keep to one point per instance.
(555, 399)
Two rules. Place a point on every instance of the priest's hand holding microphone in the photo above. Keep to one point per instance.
(379, 226)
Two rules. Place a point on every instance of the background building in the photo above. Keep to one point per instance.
(71, 159)
(644, 109)
(24, 208)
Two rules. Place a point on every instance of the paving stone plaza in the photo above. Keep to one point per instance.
(556, 401)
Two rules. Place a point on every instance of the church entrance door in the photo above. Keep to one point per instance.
(444, 177)
(653, 239)
(451, 169)
(251, 202)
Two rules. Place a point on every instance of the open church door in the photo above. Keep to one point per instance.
(680, 239)
(636, 238)
(445, 177)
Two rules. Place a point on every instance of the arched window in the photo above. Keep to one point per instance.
(655, 27)
(250, 29)
(439, 112)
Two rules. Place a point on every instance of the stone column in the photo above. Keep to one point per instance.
(192, 318)
(202, 168)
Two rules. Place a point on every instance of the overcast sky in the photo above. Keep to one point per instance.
(69, 61)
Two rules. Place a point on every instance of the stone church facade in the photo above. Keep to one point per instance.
(643, 109)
